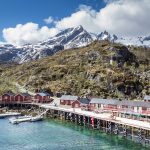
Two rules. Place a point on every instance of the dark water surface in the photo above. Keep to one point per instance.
(58, 135)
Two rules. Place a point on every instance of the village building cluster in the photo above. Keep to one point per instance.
(40, 97)
(123, 108)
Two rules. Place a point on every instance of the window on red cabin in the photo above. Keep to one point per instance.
(76, 105)
(18, 98)
(93, 105)
(124, 106)
(37, 96)
(144, 108)
(68, 102)
(6, 97)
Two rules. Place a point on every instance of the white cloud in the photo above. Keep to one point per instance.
(123, 17)
(28, 33)
(49, 20)
(85, 16)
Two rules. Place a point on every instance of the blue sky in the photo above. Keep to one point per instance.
(14, 12)
(26, 21)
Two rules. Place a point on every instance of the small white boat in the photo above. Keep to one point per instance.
(20, 119)
(13, 121)
(36, 118)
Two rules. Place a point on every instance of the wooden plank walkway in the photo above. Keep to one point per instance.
(101, 116)
(106, 117)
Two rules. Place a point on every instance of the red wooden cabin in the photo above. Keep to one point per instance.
(81, 103)
(68, 99)
(8, 97)
(42, 98)
(23, 97)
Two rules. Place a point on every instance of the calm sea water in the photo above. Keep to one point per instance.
(58, 135)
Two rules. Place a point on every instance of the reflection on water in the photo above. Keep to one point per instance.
(58, 135)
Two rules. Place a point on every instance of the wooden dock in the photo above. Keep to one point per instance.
(136, 130)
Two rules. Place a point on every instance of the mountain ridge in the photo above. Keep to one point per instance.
(66, 39)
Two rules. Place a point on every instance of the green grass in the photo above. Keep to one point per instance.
(83, 71)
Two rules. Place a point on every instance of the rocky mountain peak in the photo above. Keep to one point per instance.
(107, 36)
(66, 39)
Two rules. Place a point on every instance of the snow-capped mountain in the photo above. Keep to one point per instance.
(106, 36)
(69, 38)
(139, 41)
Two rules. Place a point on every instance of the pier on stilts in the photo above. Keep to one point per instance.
(135, 130)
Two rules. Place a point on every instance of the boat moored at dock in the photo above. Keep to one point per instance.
(17, 120)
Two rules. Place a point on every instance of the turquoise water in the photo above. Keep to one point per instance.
(58, 135)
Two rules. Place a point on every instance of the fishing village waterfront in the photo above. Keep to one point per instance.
(113, 122)
(74, 75)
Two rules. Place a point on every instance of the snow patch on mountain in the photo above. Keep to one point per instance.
(68, 38)
(139, 41)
